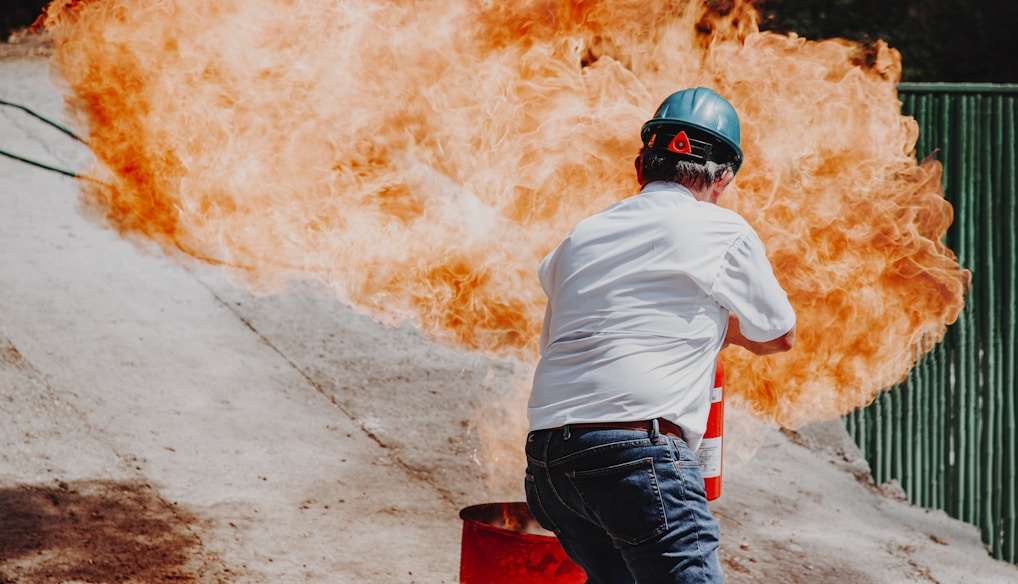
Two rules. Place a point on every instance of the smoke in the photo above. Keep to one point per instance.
(419, 159)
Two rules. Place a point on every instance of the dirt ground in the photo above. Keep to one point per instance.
(160, 425)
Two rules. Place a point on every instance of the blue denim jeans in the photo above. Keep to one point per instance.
(628, 506)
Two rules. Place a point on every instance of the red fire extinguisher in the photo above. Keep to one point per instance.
(710, 450)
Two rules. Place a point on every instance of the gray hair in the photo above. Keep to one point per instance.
(695, 176)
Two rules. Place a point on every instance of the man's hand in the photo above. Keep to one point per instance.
(779, 345)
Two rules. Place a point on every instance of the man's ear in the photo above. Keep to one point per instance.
(728, 178)
(719, 186)
(638, 163)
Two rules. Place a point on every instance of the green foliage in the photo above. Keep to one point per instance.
(940, 40)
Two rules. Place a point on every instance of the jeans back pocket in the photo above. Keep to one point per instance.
(535, 505)
(624, 498)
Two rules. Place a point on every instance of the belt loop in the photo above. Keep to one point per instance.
(566, 435)
(655, 430)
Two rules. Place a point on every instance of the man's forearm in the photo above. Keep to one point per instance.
(734, 336)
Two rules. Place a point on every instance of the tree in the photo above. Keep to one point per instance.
(940, 40)
(19, 14)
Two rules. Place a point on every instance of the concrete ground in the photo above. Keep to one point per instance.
(158, 424)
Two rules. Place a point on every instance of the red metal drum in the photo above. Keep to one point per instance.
(503, 544)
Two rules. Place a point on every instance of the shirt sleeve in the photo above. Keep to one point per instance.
(746, 286)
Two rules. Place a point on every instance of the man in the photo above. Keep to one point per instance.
(641, 298)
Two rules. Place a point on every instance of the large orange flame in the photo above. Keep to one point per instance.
(421, 157)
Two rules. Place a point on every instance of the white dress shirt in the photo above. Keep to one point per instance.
(638, 303)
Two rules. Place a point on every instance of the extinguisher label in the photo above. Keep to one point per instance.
(709, 457)
(715, 395)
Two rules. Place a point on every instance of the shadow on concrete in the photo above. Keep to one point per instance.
(96, 531)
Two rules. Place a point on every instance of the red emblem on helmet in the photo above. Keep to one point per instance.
(680, 144)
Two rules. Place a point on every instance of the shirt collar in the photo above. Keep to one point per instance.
(666, 186)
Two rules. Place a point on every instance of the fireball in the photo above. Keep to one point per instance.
(419, 158)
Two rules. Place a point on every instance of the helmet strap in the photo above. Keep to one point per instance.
(694, 149)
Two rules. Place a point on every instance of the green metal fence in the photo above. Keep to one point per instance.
(947, 433)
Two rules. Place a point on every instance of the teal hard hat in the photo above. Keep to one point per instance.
(695, 124)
